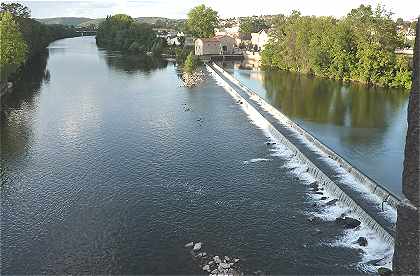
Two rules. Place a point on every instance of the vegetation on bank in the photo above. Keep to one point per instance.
(358, 47)
(123, 33)
(23, 37)
(191, 63)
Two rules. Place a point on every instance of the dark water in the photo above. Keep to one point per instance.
(367, 126)
(108, 166)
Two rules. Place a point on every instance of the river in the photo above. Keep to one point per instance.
(365, 125)
(109, 166)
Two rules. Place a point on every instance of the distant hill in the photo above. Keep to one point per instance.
(69, 21)
(159, 22)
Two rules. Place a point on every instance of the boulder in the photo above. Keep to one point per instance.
(348, 222)
(197, 246)
(324, 198)
(190, 244)
(206, 268)
(362, 241)
(319, 193)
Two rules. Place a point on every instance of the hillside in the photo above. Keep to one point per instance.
(69, 21)
(159, 22)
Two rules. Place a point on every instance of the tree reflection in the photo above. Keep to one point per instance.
(326, 101)
(15, 131)
(132, 64)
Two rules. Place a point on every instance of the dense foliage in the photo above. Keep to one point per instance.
(12, 45)
(36, 35)
(252, 25)
(358, 47)
(201, 21)
(121, 32)
(191, 63)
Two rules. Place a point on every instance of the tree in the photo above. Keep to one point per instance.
(359, 47)
(13, 48)
(191, 63)
(201, 21)
(252, 25)
(16, 9)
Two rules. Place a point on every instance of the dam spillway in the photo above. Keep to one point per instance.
(371, 202)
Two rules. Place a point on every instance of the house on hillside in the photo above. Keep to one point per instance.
(218, 45)
(258, 40)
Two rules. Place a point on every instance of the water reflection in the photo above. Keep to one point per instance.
(325, 101)
(366, 125)
(16, 105)
(132, 64)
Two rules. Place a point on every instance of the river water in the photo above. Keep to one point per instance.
(110, 166)
(365, 125)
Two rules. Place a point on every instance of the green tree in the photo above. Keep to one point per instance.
(359, 47)
(201, 21)
(252, 25)
(13, 48)
(16, 9)
(191, 63)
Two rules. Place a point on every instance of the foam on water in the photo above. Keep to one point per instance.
(254, 160)
(376, 248)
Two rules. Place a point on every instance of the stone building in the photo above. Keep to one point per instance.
(217, 45)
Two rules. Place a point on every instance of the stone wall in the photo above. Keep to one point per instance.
(407, 242)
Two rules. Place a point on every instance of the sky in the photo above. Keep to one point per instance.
(406, 9)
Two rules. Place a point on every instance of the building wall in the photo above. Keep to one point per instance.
(203, 47)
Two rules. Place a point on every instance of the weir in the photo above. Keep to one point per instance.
(374, 205)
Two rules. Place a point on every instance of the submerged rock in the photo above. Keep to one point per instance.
(362, 241)
(348, 222)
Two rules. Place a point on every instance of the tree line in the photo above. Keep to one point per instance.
(23, 37)
(121, 32)
(359, 47)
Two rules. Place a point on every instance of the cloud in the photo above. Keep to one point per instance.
(408, 9)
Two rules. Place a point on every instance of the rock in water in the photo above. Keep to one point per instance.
(348, 222)
(362, 241)
(206, 268)
(189, 244)
(383, 271)
(197, 246)
(217, 259)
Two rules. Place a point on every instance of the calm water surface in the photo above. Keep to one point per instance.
(108, 166)
(367, 126)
